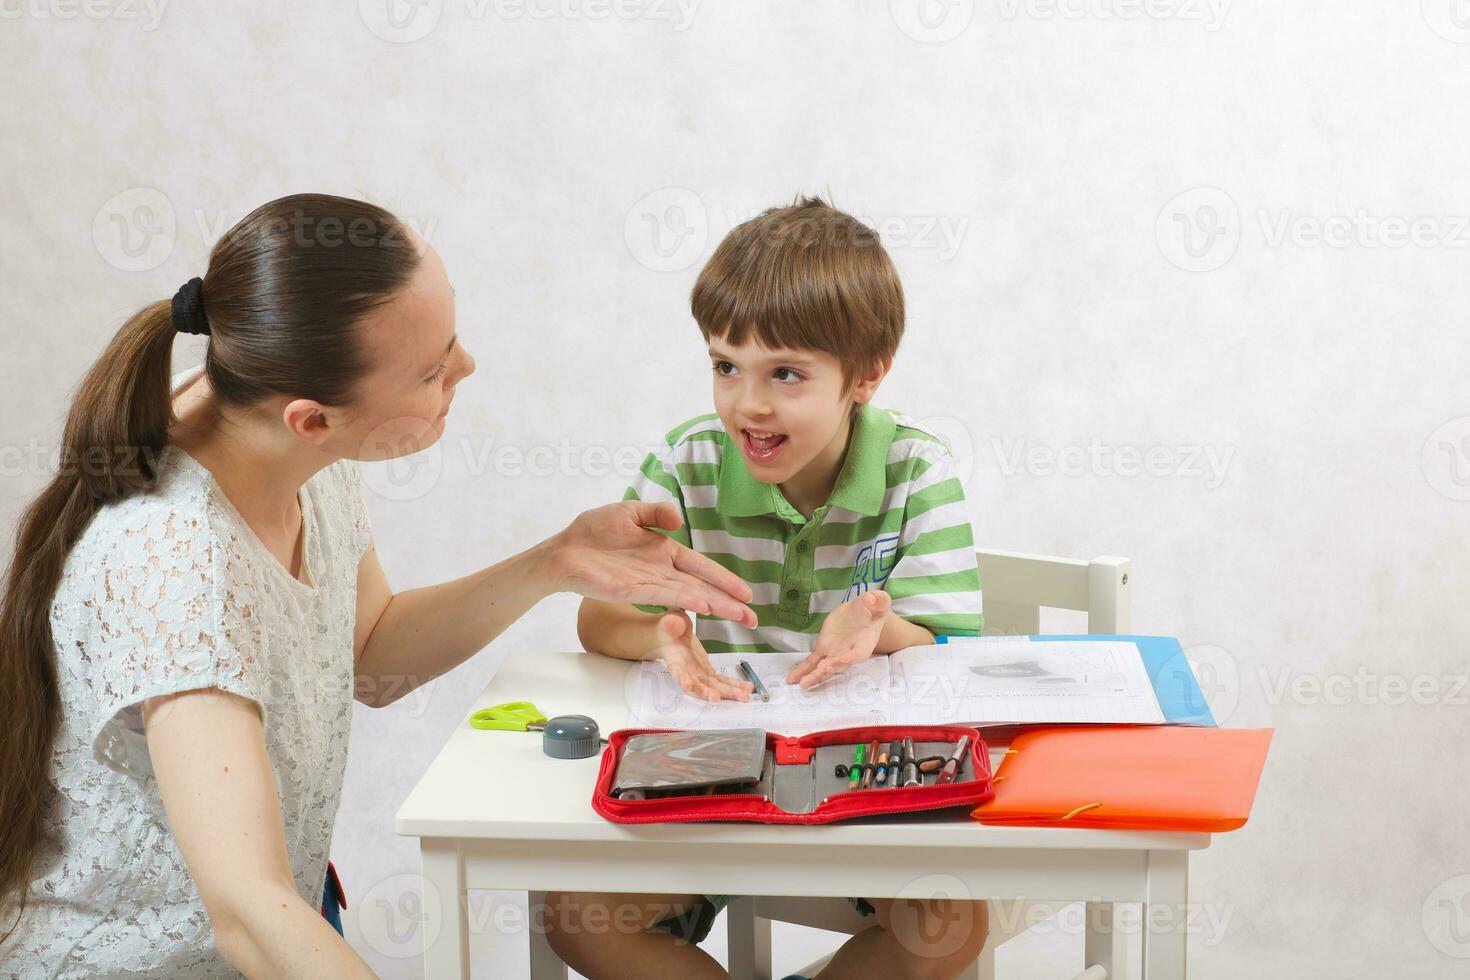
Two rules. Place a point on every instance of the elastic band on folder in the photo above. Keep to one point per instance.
(1087, 806)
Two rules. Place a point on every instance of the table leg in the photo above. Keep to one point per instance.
(1102, 945)
(447, 942)
(545, 964)
(1166, 916)
(749, 941)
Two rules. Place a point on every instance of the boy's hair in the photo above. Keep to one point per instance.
(804, 277)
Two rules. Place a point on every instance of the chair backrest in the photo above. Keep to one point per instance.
(1016, 586)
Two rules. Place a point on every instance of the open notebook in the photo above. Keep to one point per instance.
(998, 681)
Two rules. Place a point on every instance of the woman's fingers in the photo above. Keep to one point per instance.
(713, 576)
(655, 515)
(688, 592)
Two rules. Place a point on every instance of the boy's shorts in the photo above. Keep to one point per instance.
(694, 926)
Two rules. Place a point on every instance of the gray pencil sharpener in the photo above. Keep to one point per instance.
(571, 737)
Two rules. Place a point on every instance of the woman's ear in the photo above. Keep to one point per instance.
(307, 420)
(865, 385)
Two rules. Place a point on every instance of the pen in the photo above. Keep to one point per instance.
(957, 759)
(910, 770)
(882, 775)
(856, 772)
(754, 678)
(872, 759)
(895, 753)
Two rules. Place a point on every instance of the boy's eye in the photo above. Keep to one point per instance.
(724, 368)
(787, 375)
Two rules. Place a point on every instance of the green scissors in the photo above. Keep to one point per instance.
(514, 716)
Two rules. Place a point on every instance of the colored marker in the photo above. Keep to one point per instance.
(872, 759)
(895, 753)
(855, 773)
(882, 776)
(909, 773)
(957, 759)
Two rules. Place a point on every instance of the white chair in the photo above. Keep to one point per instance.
(1016, 587)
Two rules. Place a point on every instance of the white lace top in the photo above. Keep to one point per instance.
(171, 591)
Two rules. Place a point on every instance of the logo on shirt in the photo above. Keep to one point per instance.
(873, 564)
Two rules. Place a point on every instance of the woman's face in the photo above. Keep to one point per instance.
(417, 360)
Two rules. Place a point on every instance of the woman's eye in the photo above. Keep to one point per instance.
(724, 368)
(438, 374)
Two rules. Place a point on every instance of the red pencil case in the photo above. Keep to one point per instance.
(799, 782)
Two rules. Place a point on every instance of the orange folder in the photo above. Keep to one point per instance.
(1151, 777)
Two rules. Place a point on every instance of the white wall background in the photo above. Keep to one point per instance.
(1231, 239)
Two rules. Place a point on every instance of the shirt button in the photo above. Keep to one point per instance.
(793, 594)
(803, 547)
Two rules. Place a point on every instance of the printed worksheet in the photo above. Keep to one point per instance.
(858, 696)
(996, 681)
(1003, 681)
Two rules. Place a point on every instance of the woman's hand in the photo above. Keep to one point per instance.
(609, 553)
(689, 664)
(849, 636)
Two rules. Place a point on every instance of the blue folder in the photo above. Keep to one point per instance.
(1178, 691)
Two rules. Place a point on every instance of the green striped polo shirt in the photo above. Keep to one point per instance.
(896, 520)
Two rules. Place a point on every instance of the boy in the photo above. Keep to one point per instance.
(847, 521)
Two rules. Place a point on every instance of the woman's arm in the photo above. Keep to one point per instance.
(609, 553)
(208, 754)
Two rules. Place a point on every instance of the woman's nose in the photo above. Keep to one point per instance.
(466, 363)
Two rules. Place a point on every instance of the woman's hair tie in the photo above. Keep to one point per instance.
(188, 308)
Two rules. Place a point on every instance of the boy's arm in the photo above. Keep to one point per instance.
(618, 630)
(628, 633)
(899, 633)
(935, 582)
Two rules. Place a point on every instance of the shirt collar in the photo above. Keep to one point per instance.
(860, 486)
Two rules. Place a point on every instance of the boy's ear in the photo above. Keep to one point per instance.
(865, 385)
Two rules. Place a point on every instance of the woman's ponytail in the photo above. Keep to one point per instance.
(117, 424)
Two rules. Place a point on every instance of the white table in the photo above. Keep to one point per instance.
(493, 812)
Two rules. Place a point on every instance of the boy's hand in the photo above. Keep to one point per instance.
(689, 664)
(848, 637)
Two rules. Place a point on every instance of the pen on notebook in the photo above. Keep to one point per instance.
(909, 773)
(947, 774)
(855, 772)
(755, 680)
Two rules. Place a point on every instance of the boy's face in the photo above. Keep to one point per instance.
(785, 409)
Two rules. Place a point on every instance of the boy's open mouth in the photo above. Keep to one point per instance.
(762, 446)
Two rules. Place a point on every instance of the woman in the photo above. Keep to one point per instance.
(195, 600)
